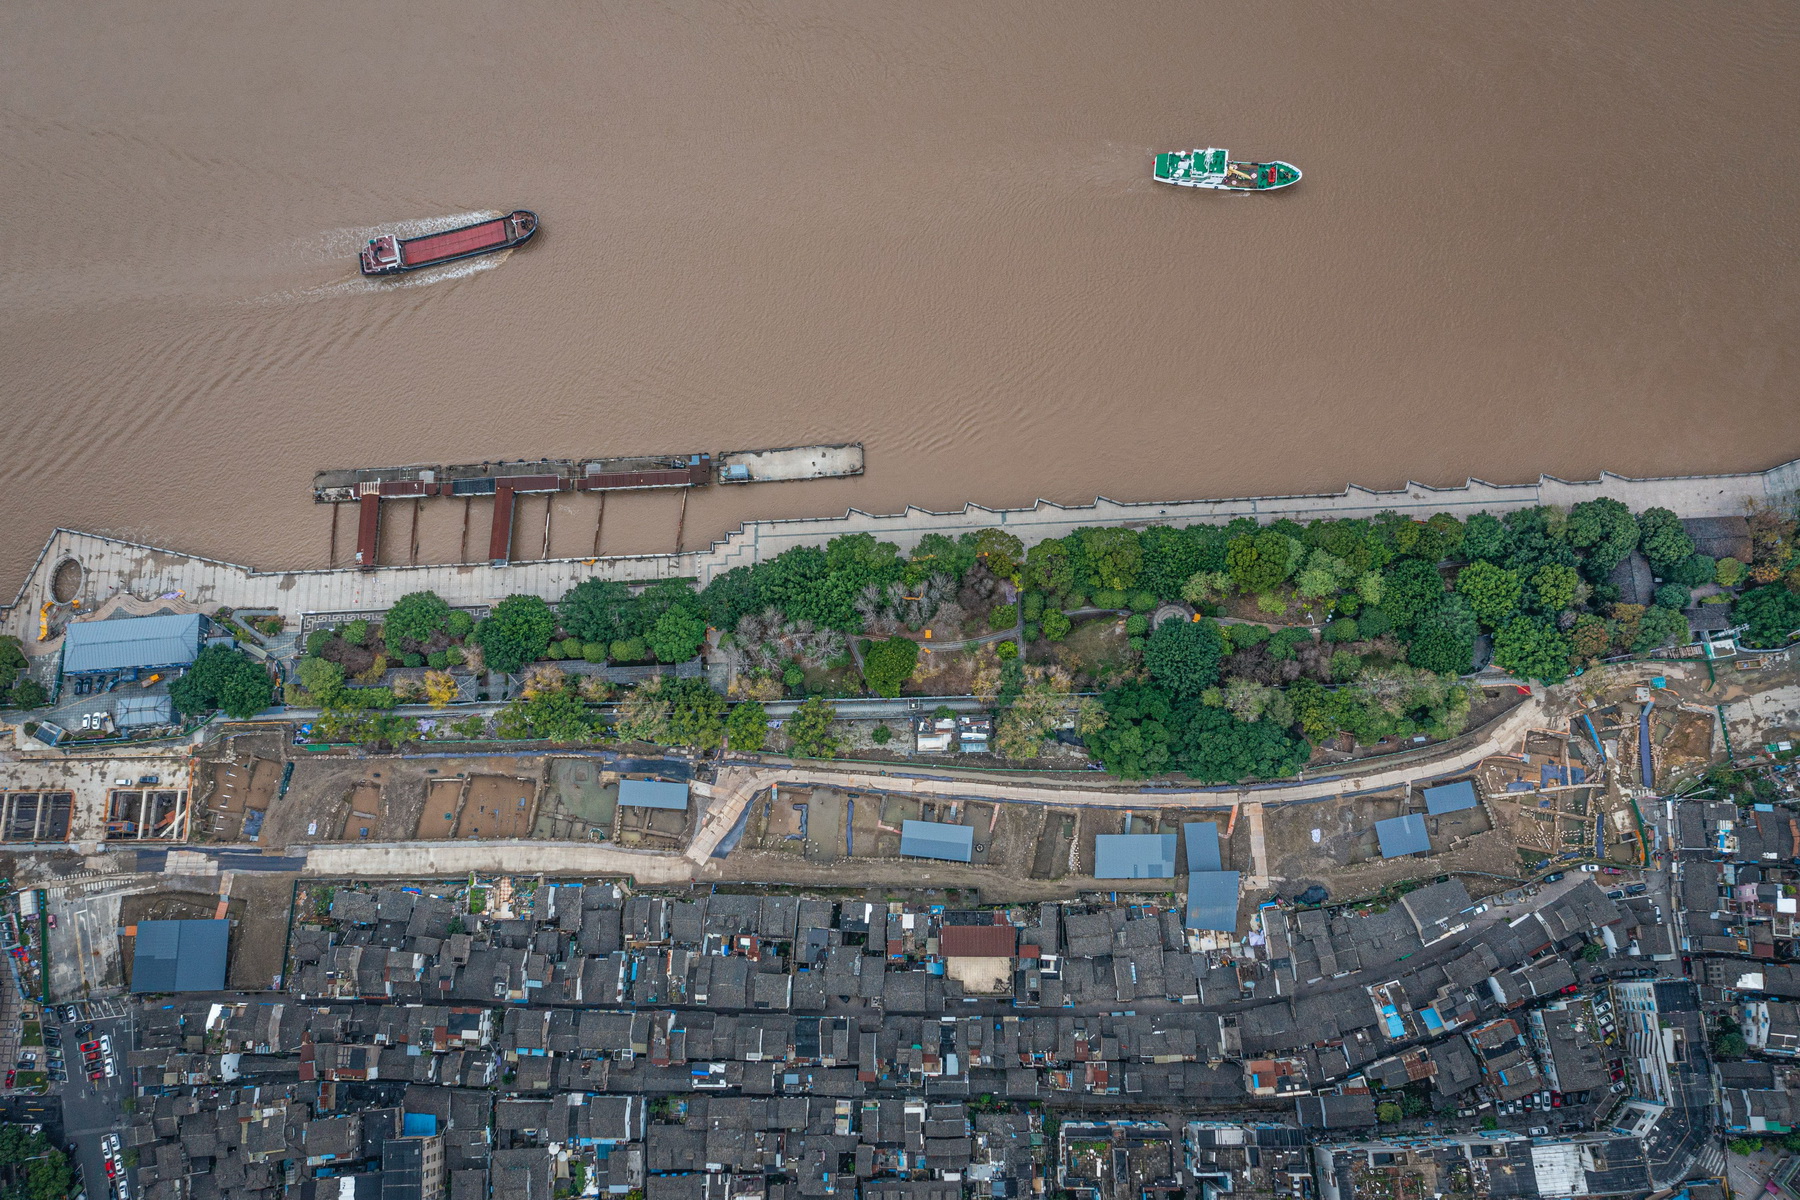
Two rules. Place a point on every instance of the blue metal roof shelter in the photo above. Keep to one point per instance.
(1400, 836)
(936, 839)
(1134, 856)
(653, 793)
(131, 643)
(180, 956)
(1212, 901)
(1202, 838)
(1450, 797)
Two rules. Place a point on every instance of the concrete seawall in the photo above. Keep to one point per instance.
(111, 567)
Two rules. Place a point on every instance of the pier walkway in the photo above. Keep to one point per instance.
(111, 567)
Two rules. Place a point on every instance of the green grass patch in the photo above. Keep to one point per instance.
(32, 1034)
(477, 900)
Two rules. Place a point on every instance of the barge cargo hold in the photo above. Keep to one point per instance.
(367, 487)
(389, 254)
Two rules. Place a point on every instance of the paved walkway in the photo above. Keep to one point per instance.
(113, 567)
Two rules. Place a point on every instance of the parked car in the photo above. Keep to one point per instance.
(105, 1043)
(1538, 1130)
(1612, 870)
(1636, 889)
(89, 1047)
(1590, 868)
(1553, 877)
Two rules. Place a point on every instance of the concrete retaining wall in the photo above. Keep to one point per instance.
(112, 567)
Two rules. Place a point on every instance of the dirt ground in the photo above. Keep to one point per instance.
(578, 802)
(443, 799)
(651, 828)
(498, 806)
(260, 937)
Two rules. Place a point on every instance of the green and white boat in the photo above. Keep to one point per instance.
(1214, 169)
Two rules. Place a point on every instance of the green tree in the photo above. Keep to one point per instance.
(1772, 612)
(1659, 627)
(414, 620)
(1728, 572)
(1743, 1145)
(1214, 746)
(1112, 556)
(515, 632)
(809, 730)
(1411, 591)
(1445, 641)
(889, 664)
(356, 633)
(677, 636)
(696, 715)
(1387, 1112)
(1553, 587)
(28, 694)
(1663, 539)
(222, 678)
(1003, 616)
(1002, 552)
(1492, 592)
(1593, 952)
(1606, 530)
(554, 714)
(1259, 562)
(1485, 539)
(748, 727)
(1696, 570)
(1183, 656)
(1672, 595)
(1730, 1045)
(323, 680)
(1170, 558)
(1532, 649)
(1056, 625)
(593, 610)
(12, 660)
(1134, 744)
(459, 624)
(1590, 637)
(1049, 567)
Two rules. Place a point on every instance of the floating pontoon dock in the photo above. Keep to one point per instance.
(367, 487)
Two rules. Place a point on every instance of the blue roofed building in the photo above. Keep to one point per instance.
(124, 644)
(1212, 901)
(1450, 797)
(653, 793)
(1202, 838)
(1134, 856)
(1400, 836)
(180, 956)
(936, 839)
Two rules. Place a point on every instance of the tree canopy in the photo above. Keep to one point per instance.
(1532, 649)
(1492, 592)
(516, 632)
(222, 678)
(1183, 656)
(413, 620)
(888, 664)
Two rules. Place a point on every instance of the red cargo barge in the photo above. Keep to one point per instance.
(390, 255)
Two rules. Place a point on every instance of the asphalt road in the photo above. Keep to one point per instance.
(91, 1110)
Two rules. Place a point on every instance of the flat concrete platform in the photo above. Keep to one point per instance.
(791, 463)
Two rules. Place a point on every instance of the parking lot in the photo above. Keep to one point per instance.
(93, 1109)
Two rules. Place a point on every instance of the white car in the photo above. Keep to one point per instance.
(105, 1043)
(1590, 868)
(110, 1071)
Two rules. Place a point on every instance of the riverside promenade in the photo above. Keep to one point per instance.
(99, 570)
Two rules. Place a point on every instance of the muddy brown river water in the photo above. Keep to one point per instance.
(1531, 237)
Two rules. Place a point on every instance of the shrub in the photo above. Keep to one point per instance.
(356, 632)
(1341, 630)
(1032, 606)
(1672, 595)
(1728, 572)
(1137, 625)
(1109, 598)
(459, 624)
(1056, 625)
(455, 656)
(1135, 645)
(627, 650)
(572, 647)
(1007, 649)
(1033, 631)
(1242, 637)
(29, 693)
(677, 636)
(1372, 623)
(881, 735)
(793, 676)
(594, 652)
(316, 641)
(1003, 616)
(1142, 602)
(556, 650)
(437, 660)
(413, 660)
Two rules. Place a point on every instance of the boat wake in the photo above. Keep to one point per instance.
(342, 245)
